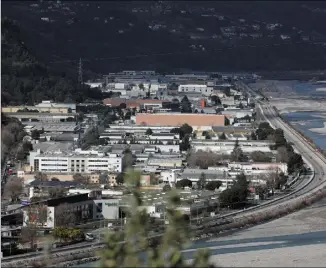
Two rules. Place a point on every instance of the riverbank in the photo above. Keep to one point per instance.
(296, 240)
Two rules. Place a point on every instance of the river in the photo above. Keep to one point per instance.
(312, 124)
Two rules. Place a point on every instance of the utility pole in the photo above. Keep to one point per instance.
(80, 72)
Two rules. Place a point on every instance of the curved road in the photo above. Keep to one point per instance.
(309, 154)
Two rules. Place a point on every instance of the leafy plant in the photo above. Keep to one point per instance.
(136, 250)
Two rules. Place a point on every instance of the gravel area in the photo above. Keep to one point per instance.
(302, 256)
(283, 96)
(281, 240)
(321, 130)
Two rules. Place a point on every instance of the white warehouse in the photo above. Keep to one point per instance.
(203, 89)
(226, 147)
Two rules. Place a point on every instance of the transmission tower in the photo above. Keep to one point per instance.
(80, 72)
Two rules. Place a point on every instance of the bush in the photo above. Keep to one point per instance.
(66, 234)
(167, 253)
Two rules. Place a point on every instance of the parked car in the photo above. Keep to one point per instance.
(89, 237)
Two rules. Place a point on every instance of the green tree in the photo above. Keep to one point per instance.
(166, 188)
(295, 162)
(80, 117)
(259, 156)
(237, 154)
(261, 190)
(183, 183)
(201, 182)
(56, 192)
(35, 134)
(216, 100)
(253, 136)
(91, 137)
(119, 178)
(279, 138)
(186, 129)
(203, 159)
(122, 106)
(208, 136)
(35, 216)
(149, 132)
(141, 86)
(213, 185)
(282, 154)
(128, 159)
(173, 86)
(236, 195)
(136, 234)
(13, 188)
(185, 105)
(185, 144)
(282, 179)
(264, 130)
(27, 147)
(222, 136)
(227, 91)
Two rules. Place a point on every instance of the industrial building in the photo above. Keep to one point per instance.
(84, 208)
(135, 103)
(197, 121)
(203, 89)
(78, 162)
(227, 146)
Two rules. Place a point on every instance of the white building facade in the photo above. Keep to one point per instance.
(75, 162)
(203, 89)
(226, 147)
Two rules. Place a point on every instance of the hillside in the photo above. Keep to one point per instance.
(24, 80)
(169, 35)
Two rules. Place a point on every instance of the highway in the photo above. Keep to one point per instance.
(309, 154)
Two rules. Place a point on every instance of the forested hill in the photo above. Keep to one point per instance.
(170, 36)
(24, 80)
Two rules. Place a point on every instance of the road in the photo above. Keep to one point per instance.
(309, 154)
